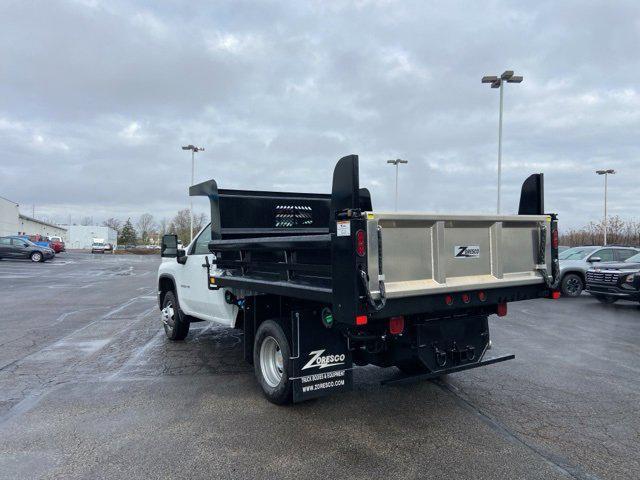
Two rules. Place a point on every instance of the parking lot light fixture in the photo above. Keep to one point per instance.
(397, 162)
(498, 82)
(193, 149)
(606, 173)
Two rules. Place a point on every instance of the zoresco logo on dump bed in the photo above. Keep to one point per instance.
(323, 361)
(466, 251)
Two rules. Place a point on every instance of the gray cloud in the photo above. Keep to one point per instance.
(97, 97)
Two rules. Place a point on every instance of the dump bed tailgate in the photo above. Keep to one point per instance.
(424, 253)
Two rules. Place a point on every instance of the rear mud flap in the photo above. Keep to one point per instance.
(320, 361)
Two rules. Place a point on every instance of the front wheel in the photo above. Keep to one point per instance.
(572, 285)
(271, 354)
(176, 323)
(37, 257)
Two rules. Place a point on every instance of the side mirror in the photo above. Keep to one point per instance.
(595, 259)
(169, 246)
(25, 244)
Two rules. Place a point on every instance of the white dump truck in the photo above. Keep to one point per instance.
(320, 283)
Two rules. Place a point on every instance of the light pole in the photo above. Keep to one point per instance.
(397, 162)
(193, 149)
(497, 82)
(606, 173)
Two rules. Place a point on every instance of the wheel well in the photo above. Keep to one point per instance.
(575, 272)
(165, 285)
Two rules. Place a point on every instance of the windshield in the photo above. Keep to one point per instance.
(634, 259)
(576, 253)
(29, 242)
(98, 244)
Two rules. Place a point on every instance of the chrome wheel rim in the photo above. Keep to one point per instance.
(167, 317)
(36, 257)
(271, 362)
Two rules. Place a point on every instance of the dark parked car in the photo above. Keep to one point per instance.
(615, 281)
(16, 247)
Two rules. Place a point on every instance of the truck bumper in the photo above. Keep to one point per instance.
(612, 291)
(458, 368)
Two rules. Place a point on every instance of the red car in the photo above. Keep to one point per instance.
(57, 244)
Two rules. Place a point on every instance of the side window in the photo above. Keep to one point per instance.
(606, 254)
(625, 253)
(5, 241)
(201, 246)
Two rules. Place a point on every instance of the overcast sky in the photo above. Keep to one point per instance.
(96, 99)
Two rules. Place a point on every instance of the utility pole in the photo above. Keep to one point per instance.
(498, 82)
(606, 173)
(397, 162)
(193, 149)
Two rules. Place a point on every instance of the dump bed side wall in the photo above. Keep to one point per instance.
(422, 253)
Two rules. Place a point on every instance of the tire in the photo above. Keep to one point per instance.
(572, 285)
(413, 366)
(271, 352)
(176, 323)
(36, 257)
(606, 299)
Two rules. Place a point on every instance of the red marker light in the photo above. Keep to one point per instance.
(448, 300)
(501, 309)
(361, 320)
(396, 325)
(361, 244)
(555, 295)
(482, 296)
(466, 298)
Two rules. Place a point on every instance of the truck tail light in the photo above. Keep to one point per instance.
(361, 320)
(466, 298)
(482, 296)
(396, 325)
(501, 310)
(448, 300)
(554, 239)
(361, 243)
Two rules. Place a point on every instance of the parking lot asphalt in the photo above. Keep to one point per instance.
(90, 388)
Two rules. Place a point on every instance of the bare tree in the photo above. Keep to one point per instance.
(85, 221)
(146, 225)
(180, 225)
(113, 223)
(163, 226)
(618, 232)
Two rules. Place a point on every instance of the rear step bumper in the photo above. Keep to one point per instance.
(459, 368)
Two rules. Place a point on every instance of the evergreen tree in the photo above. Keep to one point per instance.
(127, 234)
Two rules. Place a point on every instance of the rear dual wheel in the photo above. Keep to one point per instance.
(271, 354)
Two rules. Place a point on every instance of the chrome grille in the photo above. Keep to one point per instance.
(603, 277)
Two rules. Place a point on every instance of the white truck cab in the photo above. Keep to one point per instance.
(187, 277)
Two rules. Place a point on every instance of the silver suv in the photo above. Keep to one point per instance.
(575, 262)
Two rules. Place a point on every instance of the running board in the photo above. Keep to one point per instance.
(459, 368)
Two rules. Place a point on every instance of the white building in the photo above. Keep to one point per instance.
(81, 236)
(8, 217)
(12, 222)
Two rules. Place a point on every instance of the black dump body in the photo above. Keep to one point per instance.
(286, 244)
